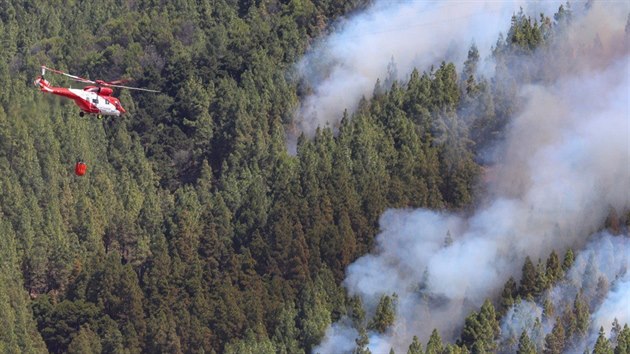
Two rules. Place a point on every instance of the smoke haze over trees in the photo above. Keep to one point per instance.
(317, 176)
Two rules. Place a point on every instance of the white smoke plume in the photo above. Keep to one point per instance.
(523, 316)
(565, 165)
(604, 262)
(607, 259)
(344, 66)
(615, 306)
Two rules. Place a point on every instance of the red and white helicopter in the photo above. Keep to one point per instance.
(96, 100)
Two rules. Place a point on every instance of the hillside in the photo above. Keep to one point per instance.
(200, 228)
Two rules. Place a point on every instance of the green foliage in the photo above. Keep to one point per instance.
(286, 333)
(362, 342)
(415, 347)
(86, 341)
(481, 330)
(509, 295)
(569, 258)
(60, 323)
(194, 229)
(554, 341)
(385, 314)
(525, 344)
(434, 345)
(314, 316)
(251, 345)
(19, 333)
(623, 341)
(554, 270)
(529, 280)
(582, 315)
(602, 345)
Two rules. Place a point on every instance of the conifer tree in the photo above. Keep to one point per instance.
(525, 344)
(569, 258)
(623, 341)
(434, 345)
(415, 347)
(615, 331)
(362, 343)
(582, 314)
(528, 284)
(509, 294)
(385, 314)
(86, 341)
(602, 345)
(554, 341)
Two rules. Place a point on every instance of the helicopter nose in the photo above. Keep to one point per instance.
(119, 107)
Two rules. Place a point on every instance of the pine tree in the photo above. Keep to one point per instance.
(286, 333)
(554, 341)
(623, 341)
(415, 347)
(434, 345)
(525, 345)
(455, 349)
(356, 311)
(554, 270)
(569, 258)
(472, 331)
(385, 314)
(563, 16)
(569, 322)
(251, 345)
(86, 342)
(488, 318)
(582, 315)
(615, 331)
(528, 284)
(509, 294)
(548, 309)
(315, 318)
(362, 343)
(481, 329)
(470, 68)
(602, 346)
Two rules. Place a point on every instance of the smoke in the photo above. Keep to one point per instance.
(340, 338)
(523, 316)
(344, 66)
(615, 306)
(564, 166)
(603, 263)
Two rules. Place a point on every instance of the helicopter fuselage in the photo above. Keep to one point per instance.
(91, 99)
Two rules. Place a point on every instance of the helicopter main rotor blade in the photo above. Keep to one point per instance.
(130, 88)
(73, 77)
(96, 82)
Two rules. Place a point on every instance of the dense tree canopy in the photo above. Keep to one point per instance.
(195, 230)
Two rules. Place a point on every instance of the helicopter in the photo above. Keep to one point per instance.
(95, 99)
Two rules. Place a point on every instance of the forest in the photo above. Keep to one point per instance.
(196, 229)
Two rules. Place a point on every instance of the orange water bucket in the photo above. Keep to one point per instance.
(80, 168)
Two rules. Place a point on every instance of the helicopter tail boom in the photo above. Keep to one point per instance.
(43, 84)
